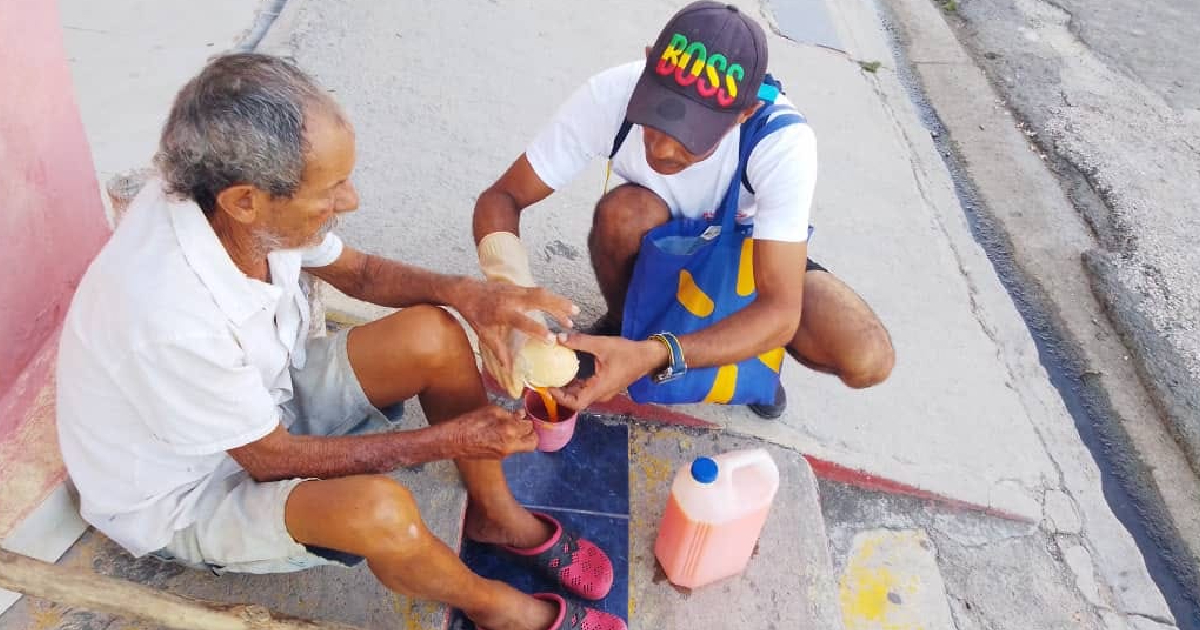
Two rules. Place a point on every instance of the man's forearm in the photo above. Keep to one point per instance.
(395, 284)
(756, 329)
(753, 331)
(496, 211)
(319, 457)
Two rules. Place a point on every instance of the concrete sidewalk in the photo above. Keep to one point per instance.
(969, 413)
(610, 483)
(129, 58)
(444, 95)
(960, 415)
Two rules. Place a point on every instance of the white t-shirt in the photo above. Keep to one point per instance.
(782, 169)
(169, 357)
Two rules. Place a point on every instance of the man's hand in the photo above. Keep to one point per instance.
(619, 362)
(490, 433)
(493, 309)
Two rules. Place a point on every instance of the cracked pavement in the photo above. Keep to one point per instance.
(969, 412)
(997, 574)
(1108, 94)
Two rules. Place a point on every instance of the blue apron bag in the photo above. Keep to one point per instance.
(691, 274)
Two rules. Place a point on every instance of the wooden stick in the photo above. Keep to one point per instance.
(105, 594)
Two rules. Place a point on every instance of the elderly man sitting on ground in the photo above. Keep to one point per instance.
(200, 422)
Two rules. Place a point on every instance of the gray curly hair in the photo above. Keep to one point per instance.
(240, 121)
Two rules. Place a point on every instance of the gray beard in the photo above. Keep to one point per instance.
(268, 242)
(329, 226)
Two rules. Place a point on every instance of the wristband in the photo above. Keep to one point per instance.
(677, 366)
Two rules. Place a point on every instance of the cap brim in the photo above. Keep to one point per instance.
(696, 127)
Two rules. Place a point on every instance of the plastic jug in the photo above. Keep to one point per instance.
(715, 515)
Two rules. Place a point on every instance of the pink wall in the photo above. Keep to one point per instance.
(51, 216)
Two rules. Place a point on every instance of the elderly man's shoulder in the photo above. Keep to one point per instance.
(144, 285)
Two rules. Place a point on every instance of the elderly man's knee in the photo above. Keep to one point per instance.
(872, 361)
(627, 213)
(431, 335)
(386, 517)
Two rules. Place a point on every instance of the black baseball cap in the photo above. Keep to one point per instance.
(704, 70)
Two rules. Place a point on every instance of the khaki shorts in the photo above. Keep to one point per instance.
(241, 526)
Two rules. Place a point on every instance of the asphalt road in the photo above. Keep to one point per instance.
(1156, 42)
(1109, 93)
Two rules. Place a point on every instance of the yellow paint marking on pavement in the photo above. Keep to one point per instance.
(649, 475)
(891, 582)
(45, 619)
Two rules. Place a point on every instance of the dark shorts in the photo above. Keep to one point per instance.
(813, 265)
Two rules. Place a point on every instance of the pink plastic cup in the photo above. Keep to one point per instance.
(552, 436)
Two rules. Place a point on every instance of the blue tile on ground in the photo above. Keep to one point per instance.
(611, 533)
(591, 473)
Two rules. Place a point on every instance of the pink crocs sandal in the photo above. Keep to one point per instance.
(576, 563)
(572, 616)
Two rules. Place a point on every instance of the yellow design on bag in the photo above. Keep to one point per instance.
(772, 359)
(745, 283)
(724, 385)
(693, 297)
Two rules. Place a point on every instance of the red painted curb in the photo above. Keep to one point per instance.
(831, 471)
(861, 479)
(623, 405)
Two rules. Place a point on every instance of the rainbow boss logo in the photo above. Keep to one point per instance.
(691, 64)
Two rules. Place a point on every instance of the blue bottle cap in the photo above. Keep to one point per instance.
(704, 470)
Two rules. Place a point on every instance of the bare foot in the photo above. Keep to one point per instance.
(523, 613)
(518, 528)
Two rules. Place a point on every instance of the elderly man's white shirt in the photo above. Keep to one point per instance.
(170, 356)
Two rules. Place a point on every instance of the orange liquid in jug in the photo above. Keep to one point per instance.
(715, 513)
(693, 554)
